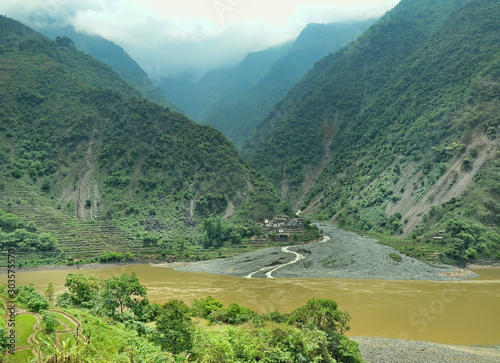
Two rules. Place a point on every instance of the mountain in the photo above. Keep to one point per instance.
(89, 160)
(221, 86)
(114, 56)
(240, 117)
(398, 132)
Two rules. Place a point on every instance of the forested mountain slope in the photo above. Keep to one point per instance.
(78, 141)
(114, 56)
(196, 97)
(398, 132)
(239, 118)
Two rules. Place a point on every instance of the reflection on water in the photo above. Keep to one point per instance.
(444, 312)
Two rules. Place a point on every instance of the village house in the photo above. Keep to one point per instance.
(281, 227)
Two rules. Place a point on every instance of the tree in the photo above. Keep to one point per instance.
(64, 41)
(214, 232)
(49, 321)
(174, 327)
(49, 291)
(82, 288)
(123, 292)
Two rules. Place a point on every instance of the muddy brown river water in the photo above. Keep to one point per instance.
(453, 312)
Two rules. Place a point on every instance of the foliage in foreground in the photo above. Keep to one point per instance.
(120, 324)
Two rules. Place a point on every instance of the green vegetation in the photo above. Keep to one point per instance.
(174, 332)
(394, 123)
(23, 238)
(86, 162)
(111, 54)
(395, 257)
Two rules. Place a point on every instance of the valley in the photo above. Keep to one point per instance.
(230, 208)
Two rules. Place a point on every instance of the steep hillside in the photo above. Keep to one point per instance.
(397, 133)
(218, 87)
(239, 118)
(114, 56)
(77, 141)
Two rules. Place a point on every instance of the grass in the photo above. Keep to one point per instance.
(21, 356)
(413, 248)
(327, 263)
(65, 320)
(24, 328)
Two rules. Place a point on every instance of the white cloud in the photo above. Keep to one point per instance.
(164, 44)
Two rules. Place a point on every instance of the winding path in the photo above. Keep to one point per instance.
(298, 257)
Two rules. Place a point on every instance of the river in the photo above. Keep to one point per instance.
(452, 312)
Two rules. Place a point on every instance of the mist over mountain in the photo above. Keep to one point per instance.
(235, 99)
(238, 119)
(220, 86)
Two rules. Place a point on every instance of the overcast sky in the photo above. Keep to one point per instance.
(166, 36)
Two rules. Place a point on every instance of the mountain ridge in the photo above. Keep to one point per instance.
(397, 104)
(240, 117)
(82, 142)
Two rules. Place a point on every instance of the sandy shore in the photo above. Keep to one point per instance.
(477, 266)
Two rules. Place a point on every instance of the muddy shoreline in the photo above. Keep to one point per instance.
(88, 266)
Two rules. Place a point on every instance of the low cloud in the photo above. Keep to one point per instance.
(165, 45)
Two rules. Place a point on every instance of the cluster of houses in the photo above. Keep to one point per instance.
(281, 227)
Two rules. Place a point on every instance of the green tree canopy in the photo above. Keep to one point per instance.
(123, 292)
(81, 287)
(174, 327)
(321, 314)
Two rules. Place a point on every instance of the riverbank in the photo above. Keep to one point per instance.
(87, 266)
(342, 254)
(382, 350)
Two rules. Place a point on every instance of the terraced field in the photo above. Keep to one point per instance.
(78, 239)
(30, 336)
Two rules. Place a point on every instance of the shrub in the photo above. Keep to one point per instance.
(205, 307)
(235, 314)
(49, 321)
(111, 257)
(321, 314)
(395, 257)
(32, 299)
(343, 349)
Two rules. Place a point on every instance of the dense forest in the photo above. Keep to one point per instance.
(114, 56)
(397, 133)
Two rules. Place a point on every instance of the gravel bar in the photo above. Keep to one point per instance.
(342, 254)
(383, 350)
